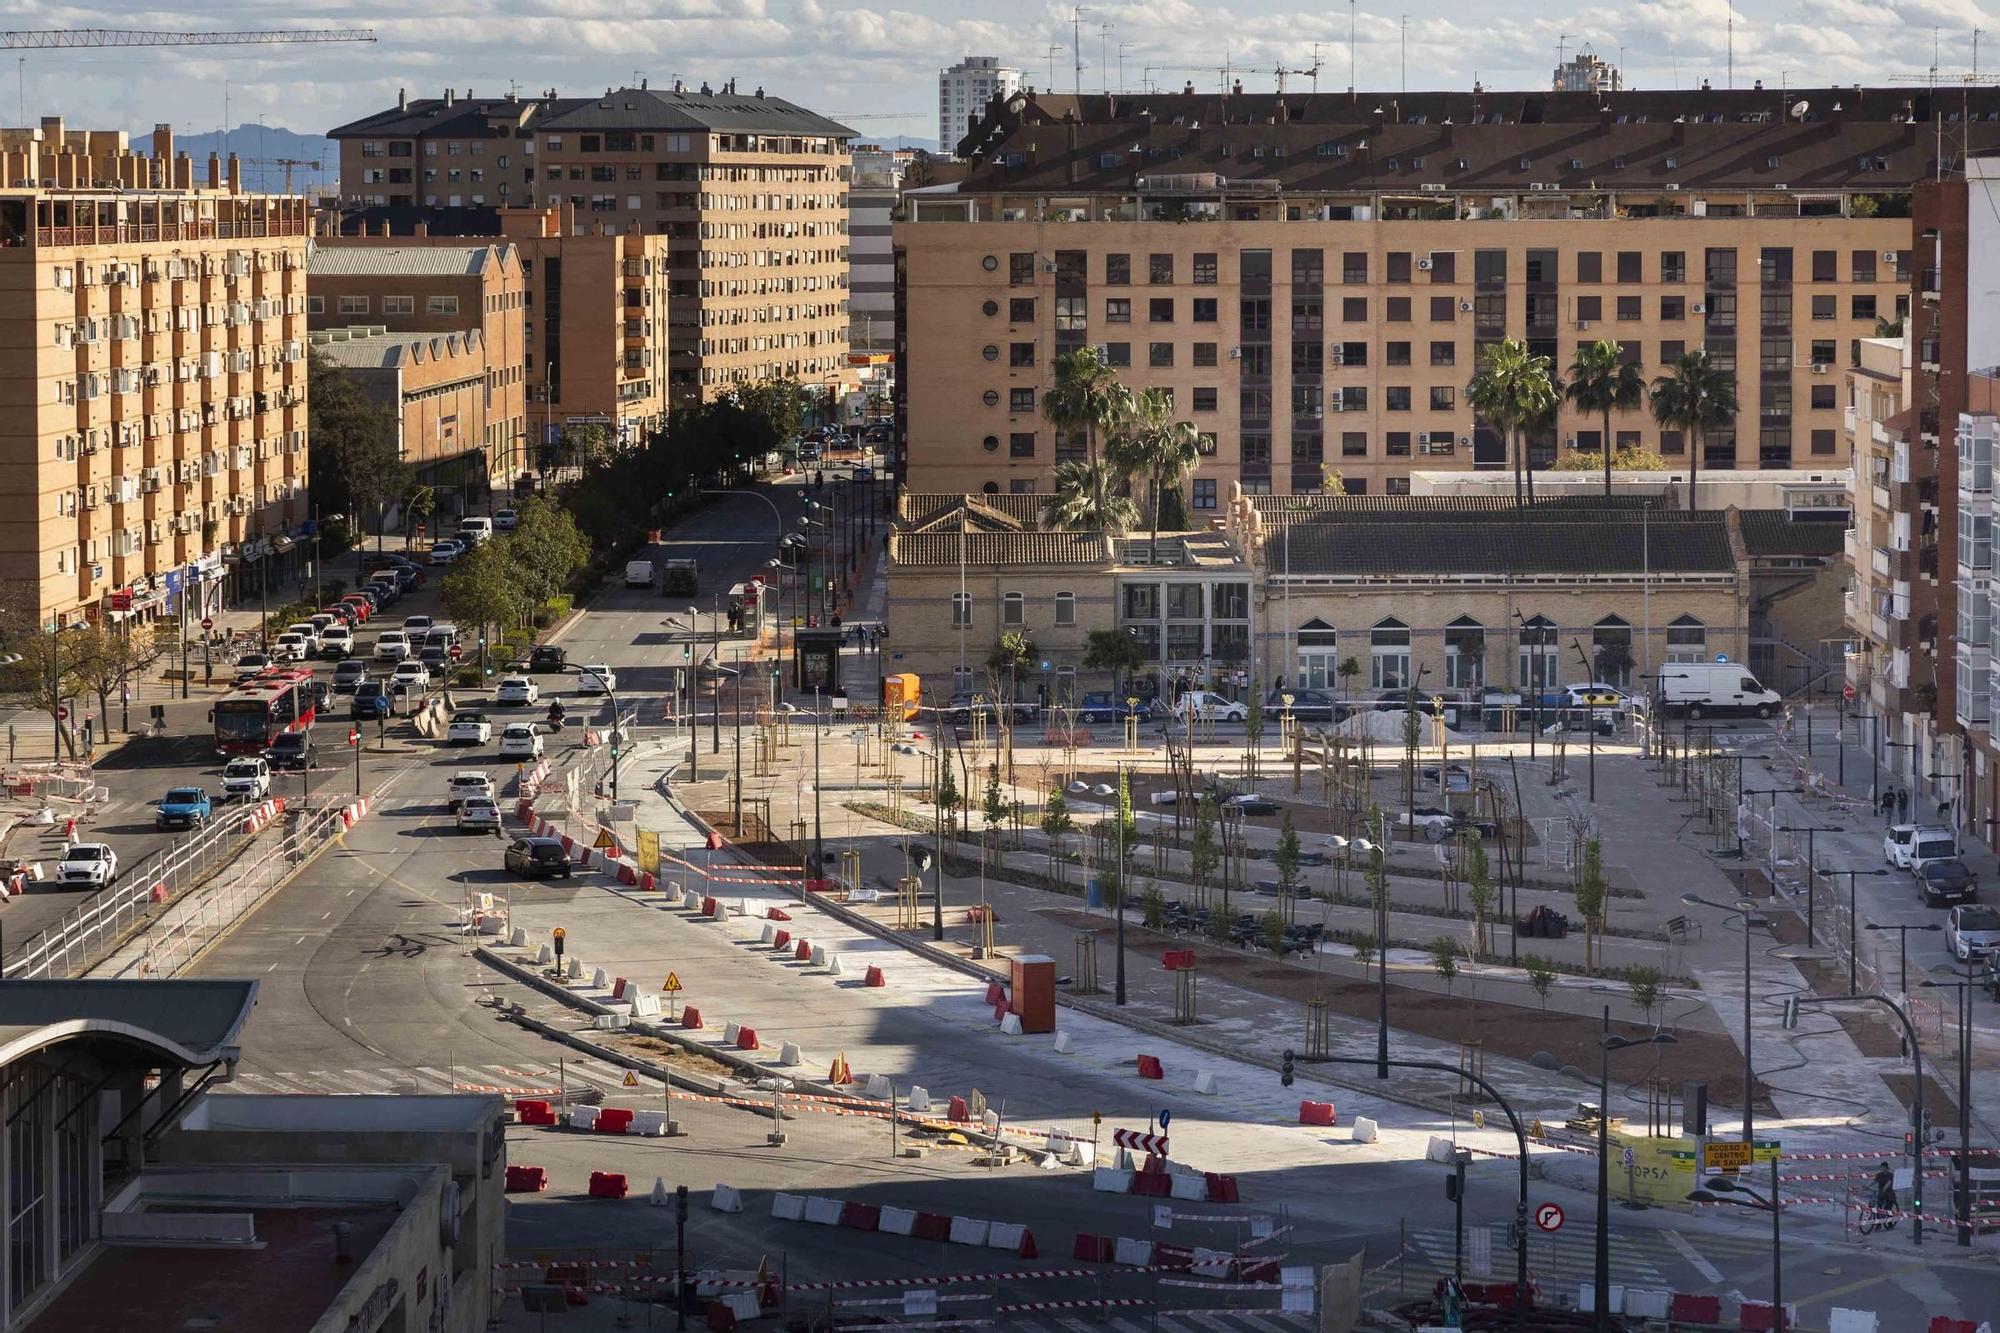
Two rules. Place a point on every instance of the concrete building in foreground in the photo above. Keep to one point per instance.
(152, 375)
(1315, 277)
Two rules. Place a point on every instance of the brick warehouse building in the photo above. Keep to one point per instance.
(152, 375)
(1315, 276)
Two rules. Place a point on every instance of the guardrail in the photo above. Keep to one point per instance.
(90, 931)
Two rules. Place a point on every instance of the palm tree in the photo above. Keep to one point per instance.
(1515, 391)
(1086, 397)
(1601, 380)
(1149, 443)
(1086, 499)
(1695, 397)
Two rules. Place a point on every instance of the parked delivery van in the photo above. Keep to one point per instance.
(1715, 689)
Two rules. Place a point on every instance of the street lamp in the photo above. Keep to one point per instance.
(1963, 983)
(1854, 923)
(1606, 1044)
(1715, 1189)
(617, 722)
(1747, 910)
(1809, 830)
(1590, 702)
(1903, 943)
(1378, 869)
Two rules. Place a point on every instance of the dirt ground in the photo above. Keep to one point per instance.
(1506, 1030)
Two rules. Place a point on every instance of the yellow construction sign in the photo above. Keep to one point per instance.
(631, 1079)
(649, 852)
(673, 983)
(605, 842)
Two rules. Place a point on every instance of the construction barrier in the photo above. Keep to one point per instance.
(874, 977)
(691, 1017)
(526, 1179)
(726, 1200)
(607, 1185)
(1316, 1113)
(1150, 1067)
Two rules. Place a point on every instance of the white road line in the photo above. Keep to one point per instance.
(368, 1080)
(1205, 1320)
(1689, 1253)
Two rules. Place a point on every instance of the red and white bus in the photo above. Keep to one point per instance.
(258, 711)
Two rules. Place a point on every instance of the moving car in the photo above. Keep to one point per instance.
(392, 646)
(348, 674)
(414, 675)
(1905, 845)
(1946, 881)
(289, 647)
(183, 807)
(336, 641)
(1428, 821)
(467, 783)
(536, 858)
(90, 863)
(516, 690)
(363, 604)
(548, 657)
(1250, 804)
(520, 740)
(294, 750)
(1106, 707)
(416, 626)
(1196, 703)
(1703, 689)
(468, 729)
(474, 530)
(1307, 705)
(307, 630)
(596, 678)
(478, 814)
(638, 573)
(247, 777)
(435, 657)
(445, 552)
(371, 699)
(250, 665)
(506, 520)
(1972, 932)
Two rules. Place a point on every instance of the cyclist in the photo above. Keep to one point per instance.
(1885, 1189)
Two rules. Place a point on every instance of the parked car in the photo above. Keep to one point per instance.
(363, 604)
(468, 729)
(416, 626)
(445, 552)
(251, 665)
(478, 814)
(1946, 881)
(435, 657)
(1107, 707)
(371, 699)
(506, 520)
(336, 642)
(467, 783)
(392, 645)
(472, 531)
(414, 675)
(1701, 689)
(319, 621)
(1972, 932)
(596, 678)
(1905, 845)
(520, 740)
(247, 778)
(1250, 804)
(1197, 702)
(294, 751)
(89, 863)
(536, 858)
(308, 631)
(343, 612)
(547, 657)
(1307, 705)
(349, 674)
(517, 690)
(183, 807)
(385, 588)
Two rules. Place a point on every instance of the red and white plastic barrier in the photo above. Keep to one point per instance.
(353, 812)
(856, 1216)
(265, 812)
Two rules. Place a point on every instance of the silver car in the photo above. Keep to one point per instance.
(1972, 932)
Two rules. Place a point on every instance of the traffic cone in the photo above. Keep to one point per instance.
(660, 1198)
(1027, 1250)
(839, 1073)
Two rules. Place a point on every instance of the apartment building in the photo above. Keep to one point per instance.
(748, 194)
(1314, 278)
(964, 90)
(871, 204)
(435, 386)
(152, 375)
(475, 294)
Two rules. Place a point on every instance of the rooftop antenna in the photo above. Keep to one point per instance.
(1350, 47)
(1076, 44)
(1406, 53)
(1103, 64)
(1562, 46)
(1314, 72)
(1053, 49)
(1732, 47)
(1123, 47)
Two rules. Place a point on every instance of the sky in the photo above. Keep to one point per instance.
(875, 64)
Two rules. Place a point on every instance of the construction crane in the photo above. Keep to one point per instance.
(58, 39)
(286, 162)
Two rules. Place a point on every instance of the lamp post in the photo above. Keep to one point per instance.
(1378, 870)
(1903, 949)
(1963, 983)
(1716, 1188)
(1746, 910)
(1812, 919)
(776, 513)
(819, 840)
(1590, 703)
(1854, 924)
(616, 720)
(1606, 1044)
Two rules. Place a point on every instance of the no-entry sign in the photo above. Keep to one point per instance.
(1549, 1217)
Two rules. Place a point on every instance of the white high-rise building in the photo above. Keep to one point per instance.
(964, 90)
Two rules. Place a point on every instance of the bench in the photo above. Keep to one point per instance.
(1678, 928)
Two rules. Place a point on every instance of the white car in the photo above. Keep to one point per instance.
(596, 678)
(478, 814)
(516, 690)
(520, 741)
(251, 665)
(415, 627)
(468, 783)
(308, 631)
(247, 778)
(1972, 932)
(1904, 846)
(468, 729)
(506, 520)
(92, 863)
(1194, 702)
(392, 645)
(336, 641)
(411, 675)
(445, 552)
(289, 647)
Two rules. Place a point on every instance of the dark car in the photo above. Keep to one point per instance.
(434, 656)
(1307, 705)
(322, 695)
(548, 657)
(1250, 805)
(537, 858)
(371, 699)
(293, 750)
(409, 577)
(1948, 880)
(1105, 707)
(349, 674)
(387, 590)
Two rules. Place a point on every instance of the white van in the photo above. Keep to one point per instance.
(472, 530)
(638, 573)
(1717, 689)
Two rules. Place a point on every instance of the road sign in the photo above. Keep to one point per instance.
(1847, 693)
(1627, 1158)
(62, 712)
(1549, 1217)
(605, 841)
(1132, 1138)
(1166, 1118)
(353, 736)
(673, 982)
(1728, 1155)
(208, 622)
(455, 652)
(631, 1079)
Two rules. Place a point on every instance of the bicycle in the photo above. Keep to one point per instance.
(1876, 1218)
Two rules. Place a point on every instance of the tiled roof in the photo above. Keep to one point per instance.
(1774, 532)
(1278, 510)
(1026, 508)
(438, 220)
(1522, 542)
(965, 511)
(386, 261)
(979, 549)
(463, 118)
(618, 109)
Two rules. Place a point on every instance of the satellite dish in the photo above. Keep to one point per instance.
(1799, 110)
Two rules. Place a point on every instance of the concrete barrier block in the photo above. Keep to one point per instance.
(770, 931)
(1653, 1303)
(878, 1087)
(1080, 1152)
(583, 1117)
(1366, 1130)
(575, 972)
(1136, 1253)
(608, 1022)
(1011, 1025)
(833, 967)
(518, 938)
(1852, 1321)
(1005, 1236)
(788, 1207)
(646, 1004)
(600, 979)
(730, 1031)
(1064, 1043)
(819, 955)
(1110, 1180)
(1438, 1150)
(1204, 1083)
(991, 1120)
(823, 1212)
(970, 1230)
(898, 1221)
(920, 1098)
(788, 1055)
(544, 956)
(726, 1199)
(1189, 1187)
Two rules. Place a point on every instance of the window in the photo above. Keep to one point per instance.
(1826, 266)
(1822, 397)
(1629, 266)
(1673, 307)
(1354, 398)
(1673, 266)
(1672, 442)
(1351, 354)
(1117, 270)
(1204, 354)
(1354, 267)
(1021, 444)
(1444, 266)
(1396, 309)
(1396, 444)
(1489, 267)
(1354, 309)
(1822, 351)
(353, 305)
(1396, 354)
(1204, 400)
(1444, 354)
(1204, 270)
(1013, 608)
(1021, 269)
(399, 305)
(315, 305)
(1589, 307)
(1589, 266)
(1160, 355)
(1464, 654)
(1864, 307)
(1072, 313)
(1822, 442)
(1308, 268)
(1671, 350)
(1389, 655)
(1396, 266)
(1308, 446)
(1444, 397)
(1319, 662)
(1160, 269)
(1065, 608)
(1538, 652)
(441, 305)
(1443, 309)
(1687, 640)
(1863, 265)
(1825, 307)
(1396, 398)
(1021, 310)
(1117, 310)
(1204, 310)
(1020, 400)
(1611, 650)
(1118, 354)
(1354, 444)
(1160, 310)
(1020, 354)
(961, 609)
(1628, 308)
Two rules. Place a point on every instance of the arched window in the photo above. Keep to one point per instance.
(1611, 651)
(1687, 640)
(1389, 655)
(1319, 656)
(1465, 654)
(1538, 663)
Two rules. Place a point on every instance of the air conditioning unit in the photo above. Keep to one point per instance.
(1048, 266)
(1819, 367)
(1583, 324)
(1465, 441)
(1424, 264)
(1236, 354)
(1698, 308)
(97, 571)
(1465, 306)
(1335, 357)
(1888, 256)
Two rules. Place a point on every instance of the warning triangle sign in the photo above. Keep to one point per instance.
(604, 840)
(631, 1079)
(673, 982)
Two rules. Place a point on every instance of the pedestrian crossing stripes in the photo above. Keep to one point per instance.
(1551, 1260)
(1169, 1321)
(502, 1080)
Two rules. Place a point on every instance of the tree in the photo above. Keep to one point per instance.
(1478, 889)
(1153, 904)
(1646, 986)
(1540, 977)
(1695, 397)
(1378, 869)
(1286, 858)
(1083, 498)
(994, 807)
(1274, 932)
(947, 801)
(1413, 736)
(1612, 660)
(1086, 396)
(1350, 667)
(1149, 443)
(481, 588)
(49, 674)
(781, 402)
(586, 445)
(1364, 943)
(419, 503)
(1115, 651)
(1512, 391)
(1591, 891)
(1203, 856)
(1444, 960)
(107, 658)
(545, 550)
(1012, 652)
(1056, 826)
(356, 462)
(1601, 380)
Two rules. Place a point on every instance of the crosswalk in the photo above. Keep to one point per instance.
(503, 1080)
(1638, 1258)
(1169, 1321)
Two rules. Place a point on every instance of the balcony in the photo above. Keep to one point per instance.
(1881, 561)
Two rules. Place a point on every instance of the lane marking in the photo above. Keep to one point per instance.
(1688, 1252)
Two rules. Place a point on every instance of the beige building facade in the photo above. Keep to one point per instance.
(152, 373)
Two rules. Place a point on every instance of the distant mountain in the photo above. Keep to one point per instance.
(261, 147)
(903, 141)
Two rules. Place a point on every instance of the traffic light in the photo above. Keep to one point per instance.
(1452, 1183)
(1285, 1069)
(680, 1203)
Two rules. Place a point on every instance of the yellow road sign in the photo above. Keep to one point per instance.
(631, 1079)
(561, 934)
(673, 982)
(1728, 1155)
(605, 841)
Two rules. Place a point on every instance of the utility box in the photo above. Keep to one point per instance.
(1034, 992)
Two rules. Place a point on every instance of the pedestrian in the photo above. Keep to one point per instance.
(1042, 693)
(1903, 804)
(1887, 802)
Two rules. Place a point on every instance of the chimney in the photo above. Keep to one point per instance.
(1189, 90)
(1380, 119)
(163, 142)
(1757, 87)
(235, 174)
(1236, 88)
(706, 91)
(1075, 158)
(760, 92)
(1604, 120)
(402, 99)
(450, 96)
(642, 83)
(214, 172)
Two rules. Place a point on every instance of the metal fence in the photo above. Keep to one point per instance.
(90, 931)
